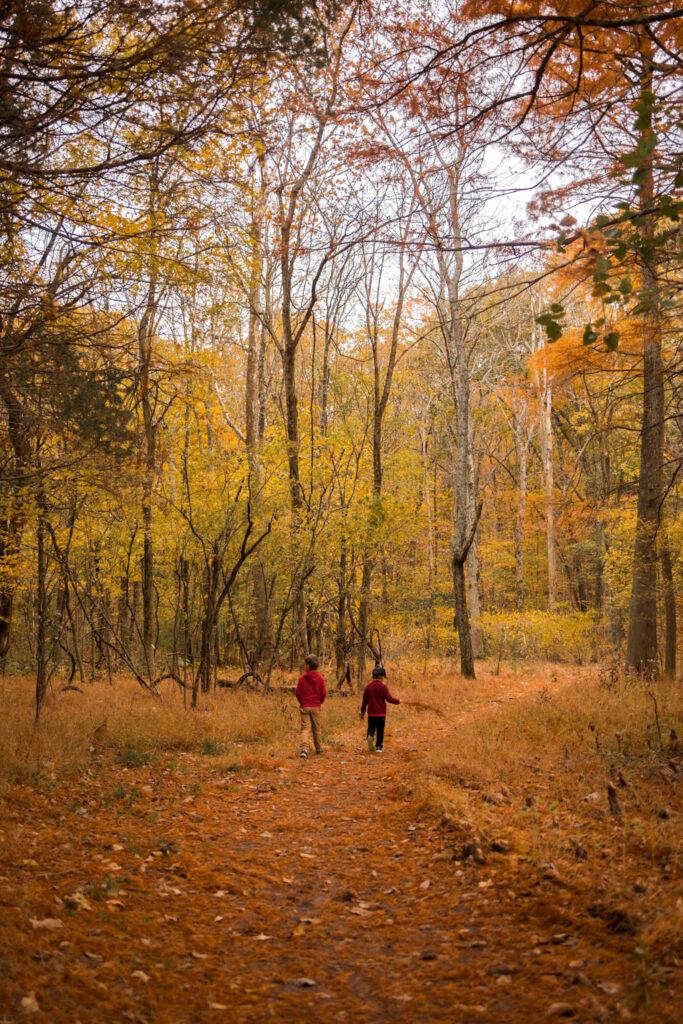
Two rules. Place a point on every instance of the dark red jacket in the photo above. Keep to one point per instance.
(311, 690)
(375, 697)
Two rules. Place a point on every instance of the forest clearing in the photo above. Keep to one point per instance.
(192, 868)
(341, 371)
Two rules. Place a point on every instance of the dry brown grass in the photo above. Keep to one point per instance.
(566, 724)
(121, 720)
(557, 720)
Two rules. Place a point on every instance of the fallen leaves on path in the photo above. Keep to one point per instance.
(300, 891)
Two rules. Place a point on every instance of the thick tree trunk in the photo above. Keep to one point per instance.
(642, 653)
(209, 625)
(12, 528)
(460, 545)
(453, 330)
(10, 541)
(462, 617)
(670, 625)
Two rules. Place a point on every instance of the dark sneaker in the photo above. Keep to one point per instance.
(318, 751)
(379, 750)
(304, 753)
(371, 744)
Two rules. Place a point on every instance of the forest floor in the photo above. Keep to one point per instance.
(347, 887)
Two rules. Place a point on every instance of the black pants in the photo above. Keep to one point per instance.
(376, 725)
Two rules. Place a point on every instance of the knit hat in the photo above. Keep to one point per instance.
(378, 672)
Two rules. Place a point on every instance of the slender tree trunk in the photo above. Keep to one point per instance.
(207, 633)
(41, 632)
(340, 632)
(372, 537)
(263, 624)
(122, 612)
(363, 616)
(549, 486)
(431, 555)
(135, 601)
(145, 338)
(473, 578)
(73, 626)
(148, 586)
(325, 380)
(520, 520)
(297, 506)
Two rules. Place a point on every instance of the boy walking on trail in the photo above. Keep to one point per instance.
(311, 692)
(375, 698)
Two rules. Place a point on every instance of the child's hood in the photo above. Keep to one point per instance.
(313, 675)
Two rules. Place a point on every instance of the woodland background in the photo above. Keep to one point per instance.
(330, 323)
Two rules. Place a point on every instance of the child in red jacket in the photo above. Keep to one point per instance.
(311, 692)
(375, 697)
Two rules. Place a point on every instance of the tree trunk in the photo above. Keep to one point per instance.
(145, 339)
(461, 486)
(461, 616)
(263, 627)
(325, 380)
(148, 588)
(41, 632)
(474, 588)
(12, 526)
(642, 650)
(363, 616)
(453, 331)
(520, 520)
(431, 555)
(340, 632)
(10, 540)
(669, 609)
(642, 653)
(548, 486)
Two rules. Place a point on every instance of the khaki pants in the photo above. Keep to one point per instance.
(311, 722)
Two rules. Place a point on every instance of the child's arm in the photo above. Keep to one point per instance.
(365, 702)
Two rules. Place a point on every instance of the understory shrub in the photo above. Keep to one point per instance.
(573, 637)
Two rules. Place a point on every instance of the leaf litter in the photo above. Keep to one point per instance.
(344, 871)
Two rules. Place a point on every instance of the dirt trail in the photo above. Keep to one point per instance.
(307, 891)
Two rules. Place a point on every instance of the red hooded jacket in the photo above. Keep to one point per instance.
(311, 690)
(375, 697)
